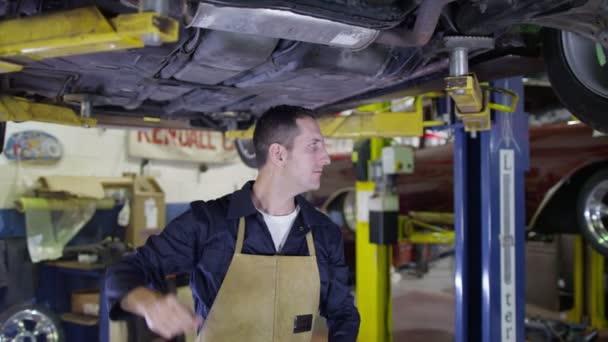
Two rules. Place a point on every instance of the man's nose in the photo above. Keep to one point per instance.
(326, 158)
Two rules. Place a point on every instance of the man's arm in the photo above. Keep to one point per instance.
(338, 305)
(133, 284)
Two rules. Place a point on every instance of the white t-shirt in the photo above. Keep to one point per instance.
(279, 226)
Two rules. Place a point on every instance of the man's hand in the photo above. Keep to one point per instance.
(164, 315)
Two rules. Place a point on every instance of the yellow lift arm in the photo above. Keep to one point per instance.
(78, 31)
(433, 234)
(14, 108)
(374, 123)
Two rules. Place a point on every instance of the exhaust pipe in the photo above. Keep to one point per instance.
(284, 24)
(426, 22)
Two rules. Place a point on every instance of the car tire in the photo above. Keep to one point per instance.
(341, 209)
(592, 211)
(246, 152)
(578, 77)
(37, 322)
(2, 135)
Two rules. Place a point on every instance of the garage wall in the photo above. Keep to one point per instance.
(103, 152)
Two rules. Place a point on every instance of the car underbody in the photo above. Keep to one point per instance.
(224, 78)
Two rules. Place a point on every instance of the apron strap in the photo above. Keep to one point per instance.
(240, 236)
(311, 244)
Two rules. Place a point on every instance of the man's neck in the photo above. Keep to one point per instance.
(271, 197)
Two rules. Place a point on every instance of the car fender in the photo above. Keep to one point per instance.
(556, 212)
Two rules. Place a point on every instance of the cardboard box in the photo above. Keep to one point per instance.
(147, 199)
(86, 302)
(147, 211)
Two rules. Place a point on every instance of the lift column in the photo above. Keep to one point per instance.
(489, 170)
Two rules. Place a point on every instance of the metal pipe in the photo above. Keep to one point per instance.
(159, 6)
(459, 62)
(426, 22)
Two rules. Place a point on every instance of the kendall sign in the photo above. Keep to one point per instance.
(183, 145)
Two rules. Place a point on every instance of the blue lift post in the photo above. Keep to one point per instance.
(489, 172)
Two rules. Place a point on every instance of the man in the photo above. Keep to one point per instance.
(262, 260)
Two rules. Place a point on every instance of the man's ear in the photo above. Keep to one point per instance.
(277, 154)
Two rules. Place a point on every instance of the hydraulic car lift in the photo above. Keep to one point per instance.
(491, 156)
(490, 225)
(489, 172)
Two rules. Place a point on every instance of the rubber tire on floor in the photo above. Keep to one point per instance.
(246, 152)
(586, 105)
(597, 177)
(5, 315)
(2, 135)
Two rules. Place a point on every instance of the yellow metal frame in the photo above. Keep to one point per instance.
(595, 300)
(377, 122)
(433, 235)
(19, 109)
(79, 31)
(433, 217)
(588, 286)
(575, 314)
(373, 263)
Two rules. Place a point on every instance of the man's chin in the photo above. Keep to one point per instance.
(315, 186)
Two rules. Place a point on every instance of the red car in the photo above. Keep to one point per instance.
(566, 186)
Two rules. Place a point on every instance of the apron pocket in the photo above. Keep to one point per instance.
(302, 323)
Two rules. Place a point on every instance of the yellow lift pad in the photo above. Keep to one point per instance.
(473, 104)
(81, 31)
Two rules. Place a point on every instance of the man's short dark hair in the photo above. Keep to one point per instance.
(277, 125)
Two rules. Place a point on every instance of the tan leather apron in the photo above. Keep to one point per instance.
(265, 298)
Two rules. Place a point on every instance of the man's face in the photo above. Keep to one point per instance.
(307, 157)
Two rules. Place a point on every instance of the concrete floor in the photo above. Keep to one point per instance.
(423, 308)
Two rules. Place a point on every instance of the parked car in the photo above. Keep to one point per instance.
(234, 59)
(566, 187)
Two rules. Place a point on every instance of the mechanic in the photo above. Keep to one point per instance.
(263, 262)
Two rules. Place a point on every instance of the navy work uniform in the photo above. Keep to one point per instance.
(244, 288)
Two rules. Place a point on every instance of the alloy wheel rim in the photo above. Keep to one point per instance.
(28, 326)
(596, 213)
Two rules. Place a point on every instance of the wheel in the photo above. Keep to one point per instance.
(341, 209)
(592, 211)
(2, 135)
(578, 70)
(30, 323)
(246, 151)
